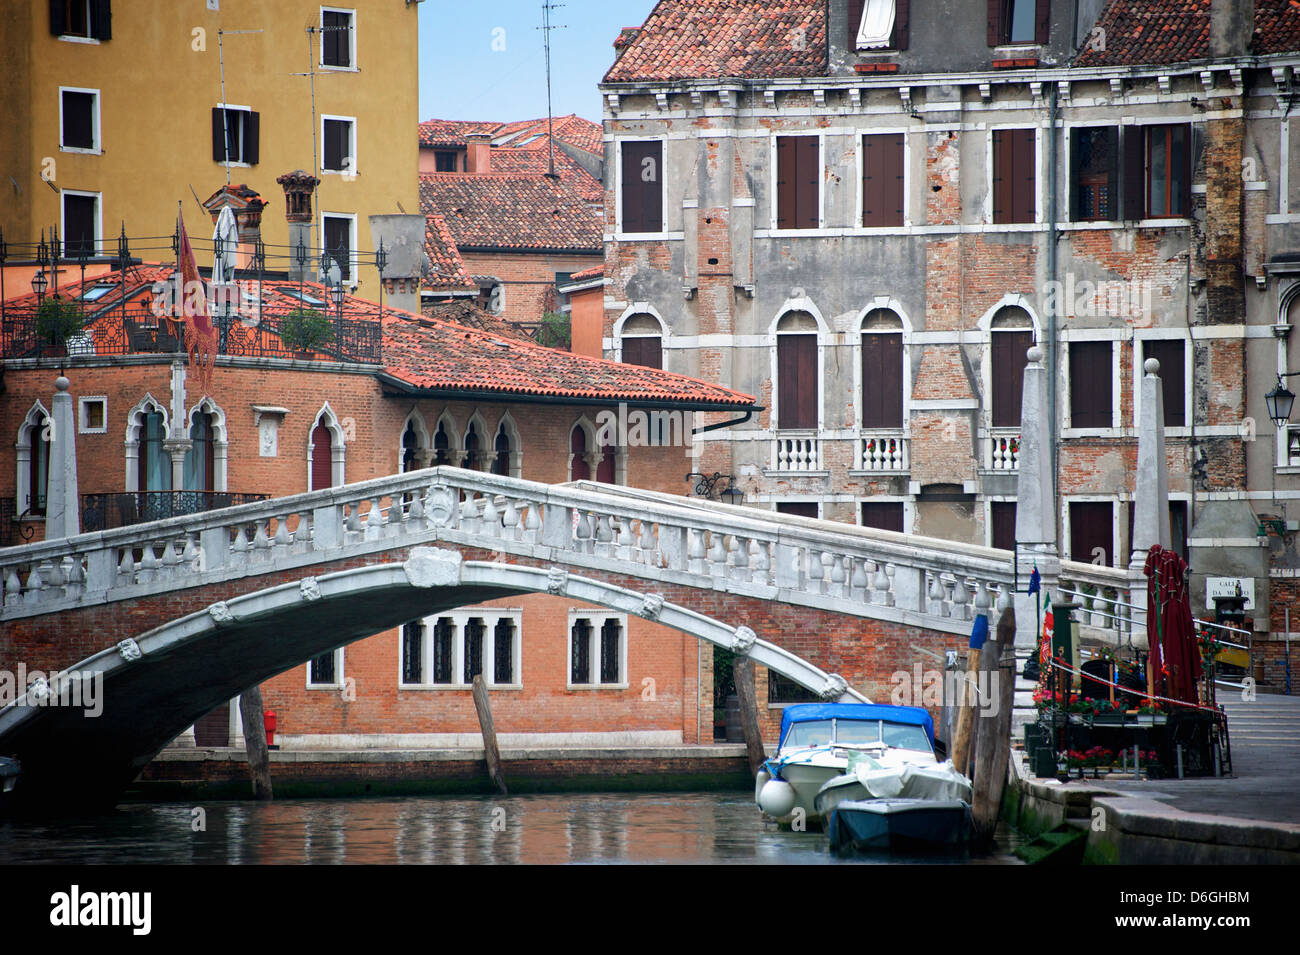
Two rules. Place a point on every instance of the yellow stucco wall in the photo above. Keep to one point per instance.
(158, 81)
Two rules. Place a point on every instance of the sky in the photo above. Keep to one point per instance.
(483, 59)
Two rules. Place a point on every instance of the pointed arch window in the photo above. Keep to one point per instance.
(155, 472)
(410, 443)
(199, 460)
(33, 454)
(442, 445)
(501, 463)
(475, 451)
(579, 468)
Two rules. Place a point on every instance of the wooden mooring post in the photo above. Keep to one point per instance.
(490, 750)
(993, 731)
(259, 757)
(743, 670)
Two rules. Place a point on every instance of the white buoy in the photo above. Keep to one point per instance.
(776, 798)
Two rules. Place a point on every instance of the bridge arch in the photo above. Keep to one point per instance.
(156, 684)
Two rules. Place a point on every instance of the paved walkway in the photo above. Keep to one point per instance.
(1265, 785)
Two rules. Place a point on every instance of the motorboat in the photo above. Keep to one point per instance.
(820, 742)
(893, 775)
(899, 825)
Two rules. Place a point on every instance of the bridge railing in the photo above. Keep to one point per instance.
(655, 535)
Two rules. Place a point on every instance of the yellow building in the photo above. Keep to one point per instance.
(114, 111)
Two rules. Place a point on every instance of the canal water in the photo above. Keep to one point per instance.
(553, 828)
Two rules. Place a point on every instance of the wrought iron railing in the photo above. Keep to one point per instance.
(100, 512)
(137, 330)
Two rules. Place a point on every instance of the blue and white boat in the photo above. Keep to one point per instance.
(865, 742)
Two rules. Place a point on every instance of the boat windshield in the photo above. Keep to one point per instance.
(857, 732)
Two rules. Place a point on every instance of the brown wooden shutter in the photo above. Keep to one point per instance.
(1180, 170)
(78, 120)
(1009, 362)
(1002, 515)
(1024, 191)
(882, 380)
(58, 17)
(647, 352)
(1091, 383)
(1092, 526)
(579, 470)
(642, 198)
(1135, 173)
(796, 372)
(605, 469)
(996, 29)
(786, 192)
(101, 19)
(1043, 21)
(334, 148)
(1169, 352)
(902, 31)
(870, 179)
(1002, 177)
(632, 203)
(797, 508)
(652, 198)
(854, 21)
(809, 152)
(882, 180)
(218, 135)
(883, 515)
(252, 138)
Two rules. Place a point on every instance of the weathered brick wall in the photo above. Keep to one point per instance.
(529, 279)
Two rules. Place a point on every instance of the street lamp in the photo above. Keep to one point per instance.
(39, 285)
(1280, 401)
(338, 294)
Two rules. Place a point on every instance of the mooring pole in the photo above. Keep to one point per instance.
(748, 699)
(259, 757)
(490, 750)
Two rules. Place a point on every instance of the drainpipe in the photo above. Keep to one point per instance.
(1052, 236)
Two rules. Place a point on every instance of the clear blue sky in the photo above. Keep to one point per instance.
(483, 59)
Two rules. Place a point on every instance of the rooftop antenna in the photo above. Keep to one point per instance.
(311, 76)
(546, 29)
(221, 62)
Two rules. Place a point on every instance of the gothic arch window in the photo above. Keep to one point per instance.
(508, 452)
(478, 451)
(148, 465)
(582, 444)
(326, 451)
(415, 452)
(446, 441)
(1011, 333)
(205, 462)
(33, 462)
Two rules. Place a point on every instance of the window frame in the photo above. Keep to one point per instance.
(29, 434)
(1001, 20)
(97, 143)
(1067, 531)
(83, 402)
(1140, 337)
(243, 162)
(491, 617)
(899, 37)
(775, 176)
(352, 40)
(1069, 429)
(99, 219)
(777, 335)
(1115, 181)
(598, 619)
(906, 180)
(98, 28)
(621, 232)
(340, 680)
(351, 153)
(908, 503)
(353, 262)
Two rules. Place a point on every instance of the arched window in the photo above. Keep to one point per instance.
(33, 454)
(796, 372)
(155, 473)
(442, 445)
(642, 341)
(882, 369)
(476, 452)
(410, 442)
(199, 462)
(579, 468)
(606, 472)
(501, 459)
(1011, 335)
(326, 451)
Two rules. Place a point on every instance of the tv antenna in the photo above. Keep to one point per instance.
(311, 76)
(225, 120)
(546, 29)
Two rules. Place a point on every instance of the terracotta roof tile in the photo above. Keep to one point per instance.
(534, 160)
(1177, 31)
(596, 271)
(684, 39)
(448, 268)
(500, 211)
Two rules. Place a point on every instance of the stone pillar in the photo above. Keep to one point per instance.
(63, 512)
(402, 237)
(1036, 521)
(1151, 493)
(177, 443)
(298, 188)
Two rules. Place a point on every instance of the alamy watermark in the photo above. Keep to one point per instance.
(1088, 299)
(74, 690)
(934, 688)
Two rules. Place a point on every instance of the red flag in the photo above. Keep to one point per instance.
(200, 335)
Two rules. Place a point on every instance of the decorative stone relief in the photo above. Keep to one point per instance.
(557, 580)
(433, 567)
(651, 605)
(129, 650)
(38, 690)
(220, 612)
(834, 689)
(440, 504)
(745, 639)
(309, 588)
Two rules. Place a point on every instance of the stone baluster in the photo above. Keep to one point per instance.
(881, 591)
(190, 556)
(739, 552)
(170, 560)
(13, 586)
(583, 533)
(126, 568)
(32, 593)
(148, 566)
(302, 533)
(261, 543)
(816, 572)
(695, 551)
(983, 604)
(469, 514)
(626, 539)
(374, 522)
(949, 604)
(761, 564)
(491, 516)
(858, 579)
(352, 525)
(961, 600)
(647, 544)
(717, 555)
(74, 577)
(838, 576)
(604, 536)
(510, 521)
(283, 539)
(533, 523)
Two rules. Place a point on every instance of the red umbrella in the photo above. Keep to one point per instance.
(1175, 659)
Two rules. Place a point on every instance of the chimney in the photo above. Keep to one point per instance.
(247, 207)
(478, 158)
(298, 187)
(402, 237)
(1232, 27)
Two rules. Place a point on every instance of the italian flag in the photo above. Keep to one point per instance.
(1045, 650)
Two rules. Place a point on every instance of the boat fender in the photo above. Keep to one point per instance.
(759, 781)
(776, 798)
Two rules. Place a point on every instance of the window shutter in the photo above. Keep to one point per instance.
(1135, 179)
(995, 28)
(1092, 526)
(883, 515)
(101, 19)
(796, 361)
(809, 171)
(882, 180)
(652, 195)
(333, 144)
(1043, 21)
(79, 120)
(1169, 352)
(1091, 383)
(786, 193)
(251, 138)
(1024, 185)
(646, 352)
(1180, 167)
(882, 380)
(322, 457)
(1003, 515)
(855, 21)
(632, 186)
(902, 34)
(218, 136)
(1009, 361)
(58, 21)
(1076, 173)
(1001, 176)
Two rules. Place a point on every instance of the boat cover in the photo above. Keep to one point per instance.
(912, 781)
(811, 712)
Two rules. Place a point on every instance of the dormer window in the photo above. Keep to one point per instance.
(1019, 21)
(878, 25)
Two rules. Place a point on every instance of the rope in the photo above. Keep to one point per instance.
(1056, 662)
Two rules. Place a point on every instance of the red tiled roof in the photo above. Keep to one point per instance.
(452, 132)
(1177, 31)
(511, 212)
(431, 355)
(425, 354)
(463, 312)
(684, 39)
(572, 129)
(448, 273)
(596, 271)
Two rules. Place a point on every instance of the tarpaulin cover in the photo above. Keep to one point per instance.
(810, 712)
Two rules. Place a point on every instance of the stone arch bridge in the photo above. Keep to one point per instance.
(177, 616)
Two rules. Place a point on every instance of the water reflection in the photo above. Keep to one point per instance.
(585, 828)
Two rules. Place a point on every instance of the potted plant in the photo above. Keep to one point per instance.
(305, 330)
(57, 321)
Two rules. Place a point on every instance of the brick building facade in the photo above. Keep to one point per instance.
(864, 211)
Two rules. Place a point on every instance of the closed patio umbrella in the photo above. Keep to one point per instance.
(1175, 659)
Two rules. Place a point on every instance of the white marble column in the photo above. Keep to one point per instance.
(62, 507)
(1035, 502)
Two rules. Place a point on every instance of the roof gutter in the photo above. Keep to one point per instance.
(727, 424)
